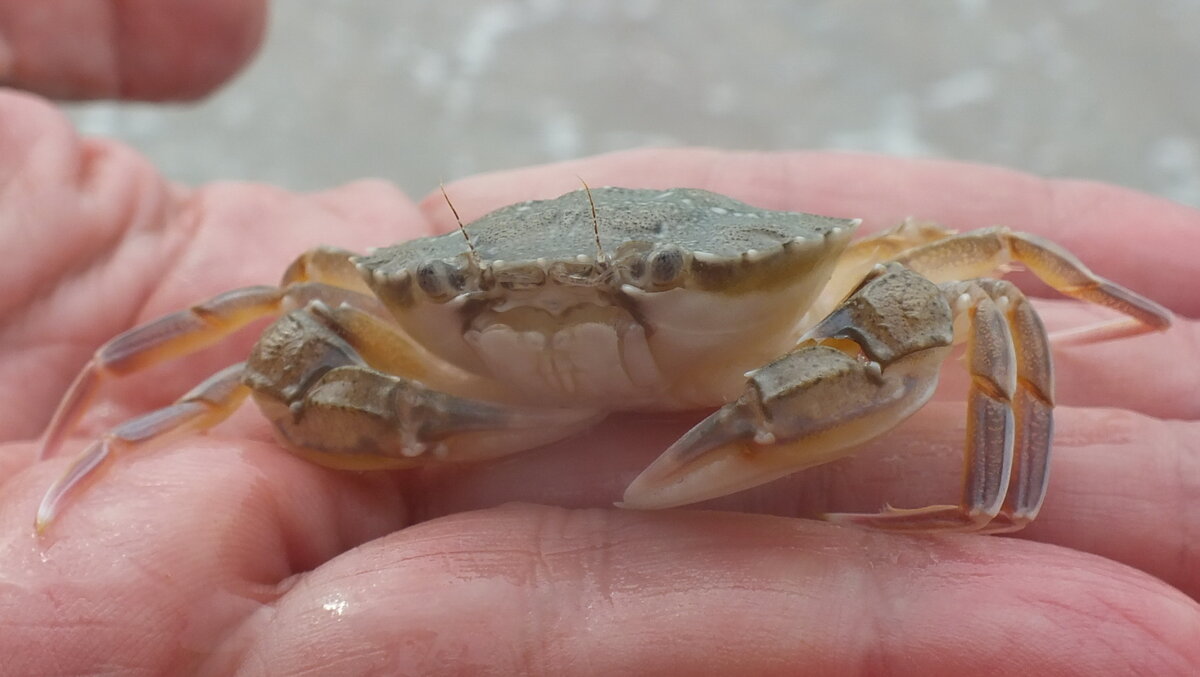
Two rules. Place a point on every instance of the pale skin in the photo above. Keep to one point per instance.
(224, 552)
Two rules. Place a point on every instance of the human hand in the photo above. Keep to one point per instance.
(133, 49)
(224, 552)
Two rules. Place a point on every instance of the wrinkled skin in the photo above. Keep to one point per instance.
(225, 553)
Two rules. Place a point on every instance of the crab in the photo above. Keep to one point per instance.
(532, 323)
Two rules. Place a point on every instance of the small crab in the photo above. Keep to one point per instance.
(532, 323)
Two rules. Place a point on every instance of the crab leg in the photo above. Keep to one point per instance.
(980, 253)
(859, 373)
(171, 336)
(335, 408)
(1008, 356)
(868, 366)
(862, 255)
(382, 344)
(327, 265)
(996, 373)
(204, 406)
(323, 272)
(1033, 402)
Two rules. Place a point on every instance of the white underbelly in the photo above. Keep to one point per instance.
(596, 357)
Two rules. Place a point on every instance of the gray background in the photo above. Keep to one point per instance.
(416, 92)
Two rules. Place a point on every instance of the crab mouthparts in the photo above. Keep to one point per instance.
(590, 355)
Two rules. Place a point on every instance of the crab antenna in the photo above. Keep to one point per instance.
(461, 228)
(595, 221)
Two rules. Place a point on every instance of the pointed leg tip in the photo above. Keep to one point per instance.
(875, 521)
(847, 518)
(91, 458)
(46, 513)
(934, 519)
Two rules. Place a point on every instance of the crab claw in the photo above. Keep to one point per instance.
(714, 458)
(805, 409)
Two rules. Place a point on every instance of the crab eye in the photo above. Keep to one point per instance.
(665, 264)
(439, 279)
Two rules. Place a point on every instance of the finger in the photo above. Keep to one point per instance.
(164, 555)
(544, 591)
(13, 461)
(56, 184)
(134, 49)
(1123, 485)
(1156, 374)
(106, 244)
(65, 203)
(1113, 230)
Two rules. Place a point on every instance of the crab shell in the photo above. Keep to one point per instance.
(657, 300)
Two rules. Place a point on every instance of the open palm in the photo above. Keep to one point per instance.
(223, 553)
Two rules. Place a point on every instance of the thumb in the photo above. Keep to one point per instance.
(135, 49)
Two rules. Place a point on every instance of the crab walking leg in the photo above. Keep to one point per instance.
(173, 335)
(321, 272)
(862, 255)
(1033, 403)
(982, 252)
(327, 265)
(333, 408)
(204, 406)
(383, 345)
(855, 375)
(995, 368)
(864, 369)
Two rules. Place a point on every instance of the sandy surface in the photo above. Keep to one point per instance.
(418, 92)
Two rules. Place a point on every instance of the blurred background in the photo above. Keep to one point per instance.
(417, 92)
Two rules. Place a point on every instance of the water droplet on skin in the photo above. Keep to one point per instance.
(336, 605)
